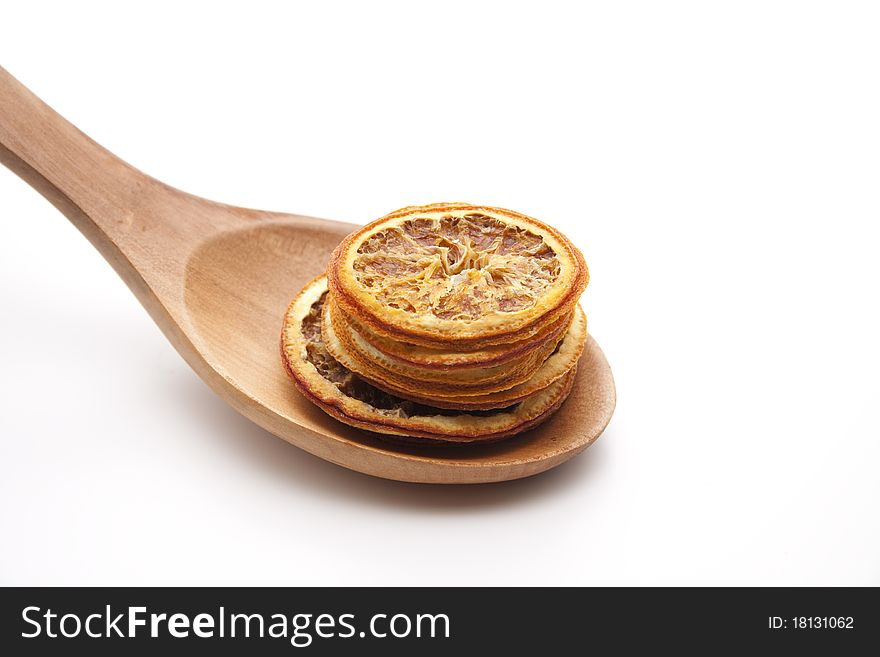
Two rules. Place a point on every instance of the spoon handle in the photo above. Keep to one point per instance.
(90, 185)
(145, 229)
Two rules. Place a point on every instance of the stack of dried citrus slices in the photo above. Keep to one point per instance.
(447, 322)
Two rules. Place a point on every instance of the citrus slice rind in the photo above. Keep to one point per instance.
(445, 360)
(457, 380)
(553, 368)
(456, 274)
(345, 396)
(412, 435)
(525, 334)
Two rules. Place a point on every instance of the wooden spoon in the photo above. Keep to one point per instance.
(217, 279)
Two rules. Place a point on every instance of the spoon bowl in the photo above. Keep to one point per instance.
(217, 280)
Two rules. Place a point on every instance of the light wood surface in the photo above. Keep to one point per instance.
(217, 279)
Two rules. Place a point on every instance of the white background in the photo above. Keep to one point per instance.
(718, 163)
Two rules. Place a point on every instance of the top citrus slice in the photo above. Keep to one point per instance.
(457, 274)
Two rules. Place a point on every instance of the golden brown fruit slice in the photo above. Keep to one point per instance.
(457, 275)
(462, 379)
(345, 396)
(563, 389)
(552, 369)
(447, 360)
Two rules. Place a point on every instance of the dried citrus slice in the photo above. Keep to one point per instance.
(457, 275)
(345, 396)
(482, 379)
(555, 367)
(406, 354)
(447, 426)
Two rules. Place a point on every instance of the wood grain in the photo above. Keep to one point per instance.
(217, 279)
